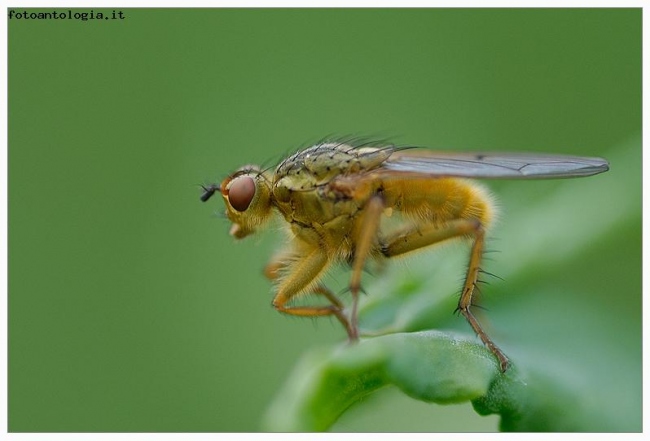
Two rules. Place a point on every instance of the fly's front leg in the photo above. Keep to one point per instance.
(426, 235)
(365, 238)
(297, 275)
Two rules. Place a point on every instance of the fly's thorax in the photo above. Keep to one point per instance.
(311, 206)
(319, 164)
(247, 196)
(334, 236)
(303, 184)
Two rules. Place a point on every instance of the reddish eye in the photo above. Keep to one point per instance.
(241, 192)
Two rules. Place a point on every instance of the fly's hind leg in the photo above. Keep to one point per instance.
(297, 276)
(468, 294)
(427, 235)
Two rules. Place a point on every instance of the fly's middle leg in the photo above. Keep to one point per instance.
(426, 235)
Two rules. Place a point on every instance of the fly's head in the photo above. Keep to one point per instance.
(247, 195)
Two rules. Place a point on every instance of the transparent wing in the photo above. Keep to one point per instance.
(496, 165)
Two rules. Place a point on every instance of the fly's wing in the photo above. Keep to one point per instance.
(495, 165)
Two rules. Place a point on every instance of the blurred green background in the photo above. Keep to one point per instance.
(130, 307)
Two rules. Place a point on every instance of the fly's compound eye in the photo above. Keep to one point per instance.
(240, 192)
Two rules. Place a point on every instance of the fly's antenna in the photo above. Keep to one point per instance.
(209, 191)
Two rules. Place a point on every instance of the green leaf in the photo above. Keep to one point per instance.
(434, 367)
(429, 366)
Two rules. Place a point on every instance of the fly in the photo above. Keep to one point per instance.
(334, 195)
